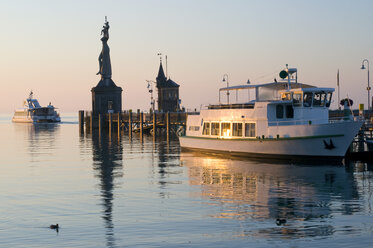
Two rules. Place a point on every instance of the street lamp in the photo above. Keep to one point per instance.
(225, 79)
(150, 88)
(368, 88)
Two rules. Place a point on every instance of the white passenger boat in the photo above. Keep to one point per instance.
(33, 112)
(278, 119)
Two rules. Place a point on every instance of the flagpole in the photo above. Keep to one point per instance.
(339, 106)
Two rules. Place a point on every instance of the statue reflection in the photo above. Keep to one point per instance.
(266, 192)
(107, 164)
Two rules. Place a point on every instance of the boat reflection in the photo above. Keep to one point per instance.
(40, 138)
(306, 196)
(107, 165)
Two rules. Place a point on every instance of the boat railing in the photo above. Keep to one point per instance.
(310, 121)
(232, 106)
(345, 118)
(293, 122)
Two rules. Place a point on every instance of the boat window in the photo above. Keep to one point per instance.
(286, 96)
(279, 111)
(323, 98)
(307, 99)
(328, 99)
(237, 129)
(214, 128)
(225, 129)
(249, 129)
(317, 99)
(206, 128)
(289, 111)
(297, 99)
(194, 128)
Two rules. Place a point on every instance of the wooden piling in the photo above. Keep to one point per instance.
(119, 122)
(154, 125)
(81, 121)
(168, 126)
(130, 124)
(87, 123)
(99, 124)
(141, 126)
(110, 123)
(91, 122)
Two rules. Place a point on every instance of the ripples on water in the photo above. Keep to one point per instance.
(113, 192)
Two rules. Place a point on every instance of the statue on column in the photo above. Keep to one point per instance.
(104, 58)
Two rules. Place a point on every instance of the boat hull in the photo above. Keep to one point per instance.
(326, 140)
(36, 119)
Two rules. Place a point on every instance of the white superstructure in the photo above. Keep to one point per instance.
(276, 119)
(33, 112)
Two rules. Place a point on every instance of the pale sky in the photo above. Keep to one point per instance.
(52, 47)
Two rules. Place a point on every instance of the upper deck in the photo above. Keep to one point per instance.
(274, 92)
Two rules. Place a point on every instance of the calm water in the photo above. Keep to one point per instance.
(116, 193)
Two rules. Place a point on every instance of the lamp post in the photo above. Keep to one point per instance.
(225, 79)
(150, 88)
(368, 88)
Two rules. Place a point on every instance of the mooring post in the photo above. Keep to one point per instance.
(154, 125)
(360, 139)
(91, 122)
(99, 124)
(119, 124)
(168, 126)
(87, 122)
(141, 126)
(110, 123)
(130, 124)
(81, 121)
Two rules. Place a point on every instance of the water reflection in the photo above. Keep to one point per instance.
(167, 164)
(306, 196)
(40, 138)
(107, 164)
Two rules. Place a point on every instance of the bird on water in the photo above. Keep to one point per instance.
(280, 221)
(54, 226)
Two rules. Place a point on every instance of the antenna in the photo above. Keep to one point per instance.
(160, 56)
(166, 68)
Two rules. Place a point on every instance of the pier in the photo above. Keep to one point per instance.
(128, 122)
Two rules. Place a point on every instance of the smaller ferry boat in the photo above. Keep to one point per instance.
(32, 112)
(277, 119)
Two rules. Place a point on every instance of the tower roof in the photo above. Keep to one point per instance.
(162, 81)
(170, 84)
(161, 77)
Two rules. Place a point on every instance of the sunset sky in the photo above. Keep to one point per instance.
(52, 47)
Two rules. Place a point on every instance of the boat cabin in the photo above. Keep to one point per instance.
(286, 103)
(257, 110)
